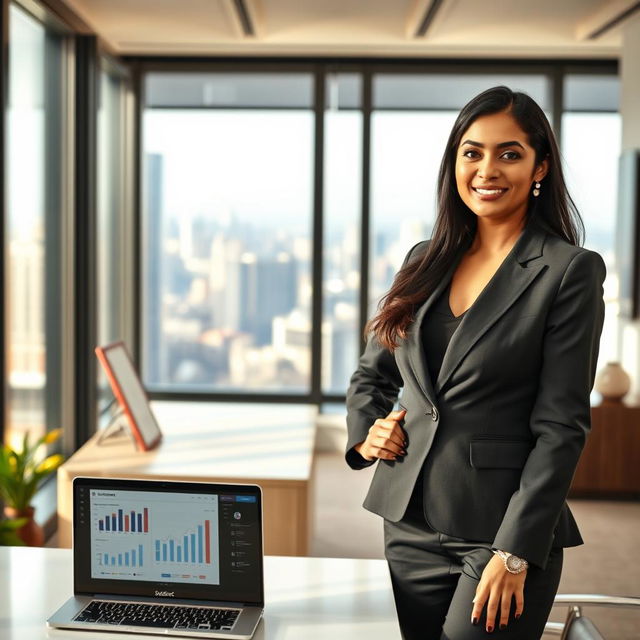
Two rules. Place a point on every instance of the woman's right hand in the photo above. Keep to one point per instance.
(386, 439)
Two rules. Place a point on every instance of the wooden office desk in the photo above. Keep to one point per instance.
(310, 598)
(266, 444)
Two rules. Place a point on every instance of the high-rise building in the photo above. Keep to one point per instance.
(267, 289)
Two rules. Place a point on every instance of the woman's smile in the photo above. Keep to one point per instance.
(489, 193)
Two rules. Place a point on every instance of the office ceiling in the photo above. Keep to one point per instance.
(460, 28)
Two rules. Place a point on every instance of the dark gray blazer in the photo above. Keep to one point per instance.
(504, 426)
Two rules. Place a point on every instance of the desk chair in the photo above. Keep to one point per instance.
(578, 627)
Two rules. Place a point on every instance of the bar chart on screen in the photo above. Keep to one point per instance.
(156, 535)
(131, 558)
(125, 522)
(193, 546)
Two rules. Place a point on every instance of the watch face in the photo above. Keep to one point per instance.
(514, 563)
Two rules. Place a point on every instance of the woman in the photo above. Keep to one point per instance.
(491, 329)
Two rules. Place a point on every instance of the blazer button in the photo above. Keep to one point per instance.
(434, 414)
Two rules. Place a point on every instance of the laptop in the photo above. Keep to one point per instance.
(172, 558)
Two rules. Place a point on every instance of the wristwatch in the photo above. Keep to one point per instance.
(513, 564)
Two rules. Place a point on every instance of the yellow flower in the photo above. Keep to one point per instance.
(50, 464)
(52, 436)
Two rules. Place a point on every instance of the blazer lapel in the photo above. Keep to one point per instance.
(507, 284)
(413, 346)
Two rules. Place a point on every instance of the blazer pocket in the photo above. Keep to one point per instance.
(499, 453)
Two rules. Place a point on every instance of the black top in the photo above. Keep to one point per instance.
(437, 329)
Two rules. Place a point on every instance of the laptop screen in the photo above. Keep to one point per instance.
(168, 539)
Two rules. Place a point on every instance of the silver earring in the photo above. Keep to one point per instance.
(536, 191)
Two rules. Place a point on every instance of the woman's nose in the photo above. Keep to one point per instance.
(488, 168)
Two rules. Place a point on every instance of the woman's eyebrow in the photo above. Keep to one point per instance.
(509, 143)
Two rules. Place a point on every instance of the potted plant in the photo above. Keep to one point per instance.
(21, 475)
(8, 535)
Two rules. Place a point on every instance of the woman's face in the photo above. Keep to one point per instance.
(495, 168)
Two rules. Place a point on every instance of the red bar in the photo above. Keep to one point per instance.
(146, 520)
(126, 523)
(207, 542)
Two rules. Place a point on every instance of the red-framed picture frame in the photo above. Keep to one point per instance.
(130, 394)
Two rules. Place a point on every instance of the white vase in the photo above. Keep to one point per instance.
(612, 383)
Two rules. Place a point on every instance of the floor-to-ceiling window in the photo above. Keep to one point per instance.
(591, 141)
(228, 193)
(35, 178)
(343, 121)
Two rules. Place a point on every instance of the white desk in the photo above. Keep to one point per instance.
(266, 444)
(306, 598)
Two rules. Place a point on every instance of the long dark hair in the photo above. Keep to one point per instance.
(456, 224)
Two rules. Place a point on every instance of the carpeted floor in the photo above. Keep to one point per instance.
(607, 563)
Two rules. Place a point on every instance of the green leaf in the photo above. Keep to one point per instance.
(11, 524)
(8, 535)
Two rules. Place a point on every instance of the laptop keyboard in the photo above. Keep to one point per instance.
(158, 615)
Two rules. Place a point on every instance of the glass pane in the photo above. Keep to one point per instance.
(228, 205)
(451, 92)
(594, 187)
(591, 93)
(406, 150)
(341, 281)
(110, 203)
(343, 91)
(110, 211)
(227, 90)
(33, 228)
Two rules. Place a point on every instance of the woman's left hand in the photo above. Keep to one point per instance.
(497, 587)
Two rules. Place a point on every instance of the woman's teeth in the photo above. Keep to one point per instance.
(488, 192)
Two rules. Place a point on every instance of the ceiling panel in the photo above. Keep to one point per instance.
(462, 28)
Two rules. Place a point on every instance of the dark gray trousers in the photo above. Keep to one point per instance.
(435, 576)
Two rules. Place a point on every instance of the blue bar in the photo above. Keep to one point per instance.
(100, 525)
(164, 552)
(157, 550)
(200, 531)
(119, 559)
(133, 557)
(186, 549)
(120, 524)
(139, 522)
(106, 558)
(107, 521)
(193, 547)
(171, 550)
(113, 560)
(245, 498)
(140, 554)
(126, 558)
(179, 554)
(114, 526)
(133, 521)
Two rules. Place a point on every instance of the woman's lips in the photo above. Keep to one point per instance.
(489, 194)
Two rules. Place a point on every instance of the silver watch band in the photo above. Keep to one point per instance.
(513, 564)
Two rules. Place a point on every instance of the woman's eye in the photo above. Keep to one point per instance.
(507, 155)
